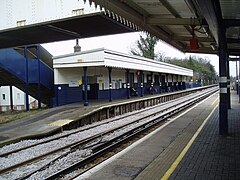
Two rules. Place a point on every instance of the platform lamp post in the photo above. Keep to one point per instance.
(39, 76)
(110, 83)
(85, 86)
(26, 79)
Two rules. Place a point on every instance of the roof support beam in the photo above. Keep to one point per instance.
(233, 59)
(233, 52)
(231, 22)
(233, 40)
(172, 21)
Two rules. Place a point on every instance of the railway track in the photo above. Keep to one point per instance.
(89, 148)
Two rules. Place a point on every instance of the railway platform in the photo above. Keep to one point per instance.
(187, 147)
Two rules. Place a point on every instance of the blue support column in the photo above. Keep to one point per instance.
(236, 77)
(141, 75)
(11, 98)
(85, 86)
(160, 83)
(228, 84)
(151, 85)
(110, 83)
(26, 79)
(238, 82)
(167, 88)
(39, 77)
(177, 84)
(128, 84)
(181, 84)
(223, 104)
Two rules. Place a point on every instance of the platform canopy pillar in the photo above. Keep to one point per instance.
(141, 85)
(11, 98)
(181, 83)
(128, 83)
(160, 82)
(151, 85)
(238, 80)
(85, 86)
(26, 79)
(167, 84)
(110, 83)
(228, 84)
(177, 83)
(223, 104)
(236, 77)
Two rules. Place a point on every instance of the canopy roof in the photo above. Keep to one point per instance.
(83, 26)
(108, 58)
(172, 21)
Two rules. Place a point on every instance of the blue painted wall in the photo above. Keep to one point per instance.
(66, 95)
(116, 93)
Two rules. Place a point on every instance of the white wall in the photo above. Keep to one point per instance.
(18, 96)
(65, 75)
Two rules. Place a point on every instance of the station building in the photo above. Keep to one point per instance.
(107, 74)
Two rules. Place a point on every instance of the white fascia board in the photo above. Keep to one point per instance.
(118, 60)
(80, 59)
(78, 65)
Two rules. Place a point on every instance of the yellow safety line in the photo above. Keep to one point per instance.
(214, 101)
(184, 151)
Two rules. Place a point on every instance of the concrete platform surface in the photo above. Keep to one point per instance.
(212, 156)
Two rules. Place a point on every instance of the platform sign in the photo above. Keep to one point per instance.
(73, 83)
(80, 82)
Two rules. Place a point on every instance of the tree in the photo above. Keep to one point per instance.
(145, 46)
(202, 68)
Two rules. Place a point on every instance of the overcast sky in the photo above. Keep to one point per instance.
(123, 43)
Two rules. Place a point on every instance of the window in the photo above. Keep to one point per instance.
(76, 12)
(18, 96)
(4, 96)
